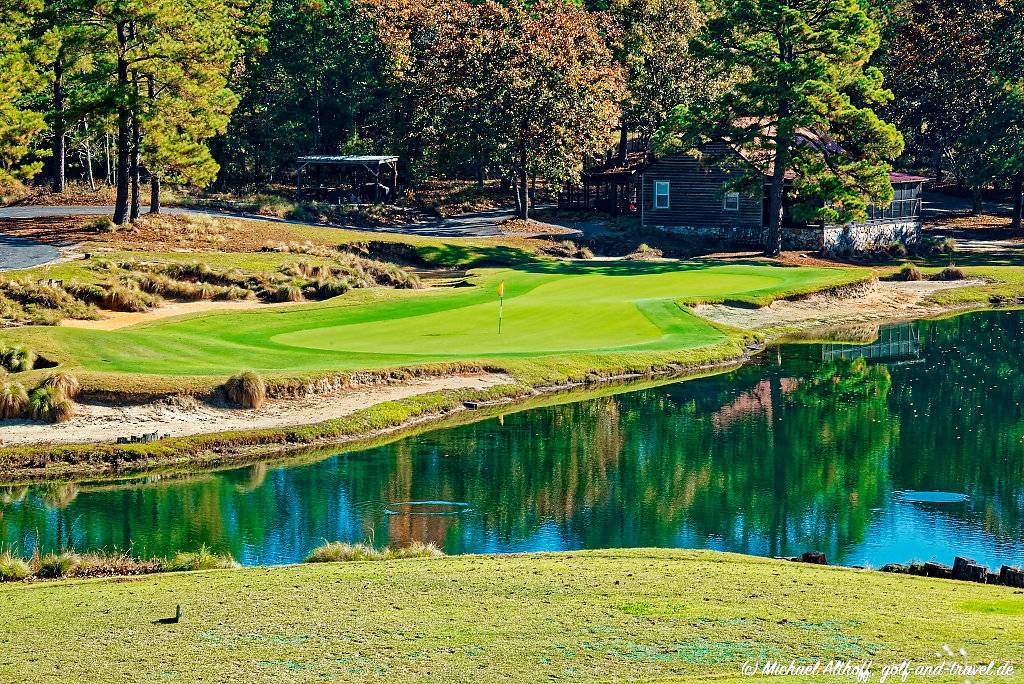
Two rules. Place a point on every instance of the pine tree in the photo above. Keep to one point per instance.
(20, 79)
(800, 105)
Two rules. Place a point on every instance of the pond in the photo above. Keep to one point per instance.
(916, 452)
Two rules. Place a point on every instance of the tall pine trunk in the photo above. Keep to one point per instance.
(154, 179)
(1018, 204)
(123, 132)
(59, 125)
(136, 205)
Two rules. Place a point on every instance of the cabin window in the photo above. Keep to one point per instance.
(661, 190)
(731, 202)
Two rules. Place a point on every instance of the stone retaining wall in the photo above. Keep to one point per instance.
(831, 239)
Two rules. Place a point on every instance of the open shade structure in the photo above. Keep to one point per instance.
(368, 178)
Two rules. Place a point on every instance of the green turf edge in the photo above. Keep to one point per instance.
(612, 615)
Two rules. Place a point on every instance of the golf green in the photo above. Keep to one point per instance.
(551, 308)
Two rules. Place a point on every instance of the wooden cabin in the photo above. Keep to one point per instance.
(680, 193)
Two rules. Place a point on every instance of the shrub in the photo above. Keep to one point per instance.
(54, 565)
(947, 246)
(898, 249)
(950, 273)
(101, 225)
(65, 382)
(18, 359)
(49, 405)
(246, 390)
(909, 272)
(13, 400)
(12, 568)
(201, 559)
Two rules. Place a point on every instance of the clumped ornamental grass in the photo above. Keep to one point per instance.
(201, 559)
(18, 359)
(246, 390)
(337, 552)
(65, 382)
(67, 564)
(13, 400)
(50, 405)
(12, 568)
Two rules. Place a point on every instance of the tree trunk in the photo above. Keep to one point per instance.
(778, 190)
(154, 179)
(523, 184)
(59, 133)
(106, 157)
(1018, 204)
(136, 145)
(976, 203)
(123, 125)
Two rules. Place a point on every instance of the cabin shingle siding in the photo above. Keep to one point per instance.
(697, 198)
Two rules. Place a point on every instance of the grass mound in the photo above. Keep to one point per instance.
(246, 390)
(619, 615)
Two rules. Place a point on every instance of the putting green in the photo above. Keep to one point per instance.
(550, 308)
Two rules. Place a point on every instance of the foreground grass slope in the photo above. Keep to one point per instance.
(624, 614)
(553, 309)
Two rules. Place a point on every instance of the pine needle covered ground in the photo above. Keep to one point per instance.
(648, 615)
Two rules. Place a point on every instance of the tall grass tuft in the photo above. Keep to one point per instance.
(338, 552)
(909, 272)
(13, 400)
(18, 359)
(65, 382)
(49, 405)
(13, 569)
(246, 390)
(56, 565)
(201, 559)
(950, 273)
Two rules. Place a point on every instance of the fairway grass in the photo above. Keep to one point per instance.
(553, 312)
(647, 615)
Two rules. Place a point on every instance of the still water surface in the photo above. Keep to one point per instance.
(917, 453)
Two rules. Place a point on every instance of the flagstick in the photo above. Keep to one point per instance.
(501, 309)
